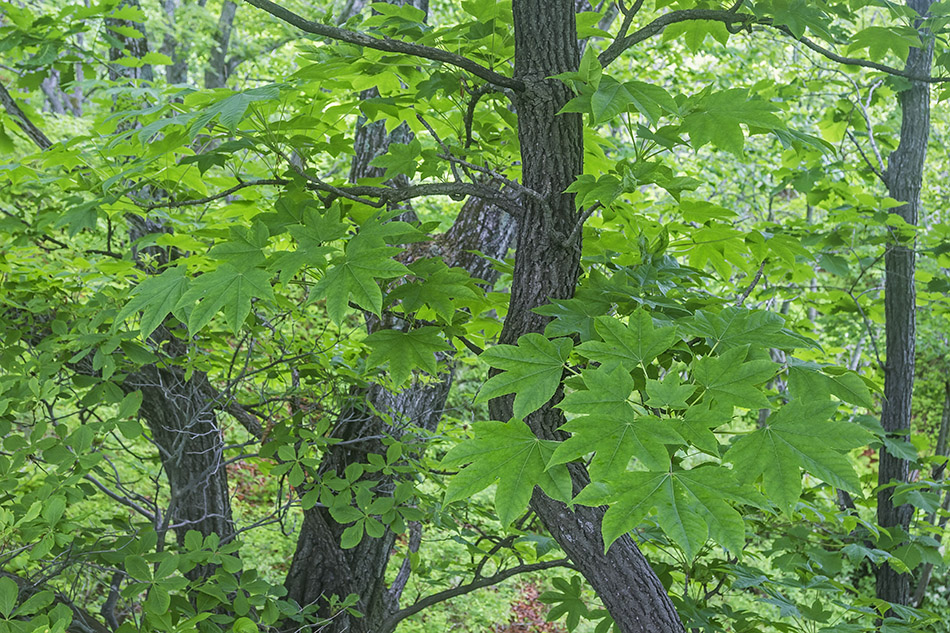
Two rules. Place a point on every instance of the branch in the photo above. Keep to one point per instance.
(731, 18)
(223, 194)
(390, 623)
(386, 44)
(34, 133)
(745, 294)
(657, 26)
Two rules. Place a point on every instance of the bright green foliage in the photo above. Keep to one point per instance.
(612, 428)
(510, 456)
(732, 379)
(532, 371)
(405, 351)
(690, 506)
(799, 435)
(630, 345)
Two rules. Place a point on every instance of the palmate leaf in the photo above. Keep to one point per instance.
(611, 428)
(629, 345)
(228, 289)
(730, 379)
(155, 297)
(715, 117)
(690, 506)
(799, 436)
(735, 327)
(510, 455)
(353, 276)
(405, 351)
(532, 371)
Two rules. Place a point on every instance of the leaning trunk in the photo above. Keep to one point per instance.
(547, 265)
(904, 178)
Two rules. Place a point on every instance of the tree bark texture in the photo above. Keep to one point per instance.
(547, 267)
(216, 75)
(321, 568)
(904, 178)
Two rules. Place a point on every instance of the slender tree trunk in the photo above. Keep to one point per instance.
(321, 568)
(216, 75)
(177, 71)
(546, 267)
(904, 179)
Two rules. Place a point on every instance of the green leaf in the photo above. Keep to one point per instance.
(405, 351)
(155, 297)
(807, 381)
(509, 455)
(690, 507)
(354, 276)
(628, 345)
(716, 117)
(8, 595)
(729, 379)
(735, 327)
(799, 436)
(399, 159)
(611, 428)
(137, 568)
(228, 289)
(532, 371)
(669, 393)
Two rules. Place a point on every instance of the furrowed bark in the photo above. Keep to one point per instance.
(321, 568)
(904, 178)
(547, 268)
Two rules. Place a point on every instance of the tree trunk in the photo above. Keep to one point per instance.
(216, 76)
(904, 178)
(546, 267)
(177, 71)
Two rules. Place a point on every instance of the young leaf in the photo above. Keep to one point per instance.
(511, 455)
(354, 276)
(155, 297)
(532, 371)
(227, 288)
(728, 379)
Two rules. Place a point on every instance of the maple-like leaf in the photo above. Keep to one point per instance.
(228, 289)
(155, 297)
(510, 455)
(405, 351)
(629, 345)
(353, 277)
(730, 379)
(611, 427)
(799, 436)
(690, 506)
(532, 371)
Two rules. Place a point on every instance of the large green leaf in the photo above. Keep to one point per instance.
(730, 379)
(715, 117)
(405, 351)
(155, 297)
(353, 277)
(629, 345)
(532, 371)
(228, 289)
(611, 428)
(799, 436)
(690, 506)
(510, 455)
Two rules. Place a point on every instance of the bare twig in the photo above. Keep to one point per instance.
(222, 194)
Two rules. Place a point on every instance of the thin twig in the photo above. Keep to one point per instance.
(748, 291)
(222, 194)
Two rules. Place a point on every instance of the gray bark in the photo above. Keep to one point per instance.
(216, 75)
(546, 267)
(904, 178)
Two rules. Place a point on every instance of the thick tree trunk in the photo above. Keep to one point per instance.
(321, 568)
(904, 179)
(546, 267)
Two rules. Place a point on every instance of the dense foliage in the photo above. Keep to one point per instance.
(335, 317)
